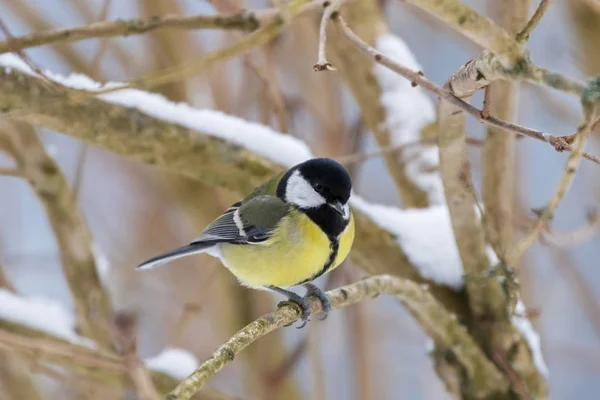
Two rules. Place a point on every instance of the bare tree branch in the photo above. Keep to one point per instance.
(547, 213)
(558, 142)
(433, 318)
(197, 155)
(92, 302)
(104, 367)
(358, 72)
(523, 35)
(478, 28)
(126, 325)
(498, 153)
(244, 20)
(331, 7)
(14, 375)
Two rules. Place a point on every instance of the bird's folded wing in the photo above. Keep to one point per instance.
(248, 222)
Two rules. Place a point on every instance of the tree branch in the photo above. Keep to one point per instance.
(15, 378)
(523, 35)
(558, 142)
(244, 20)
(361, 75)
(331, 7)
(571, 166)
(478, 28)
(432, 317)
(92, 302)
(195, 154)
(100, 366)
(498, 153)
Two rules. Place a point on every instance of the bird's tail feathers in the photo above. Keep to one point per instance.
(183, 251)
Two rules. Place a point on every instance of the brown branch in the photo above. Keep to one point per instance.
(360, 75)
(498, 153)
(478, 28)
(433, 318)
(126, 325)
(470, 238)
(92, 302)
(5, 283)
(331, 7)
(359, 157)
(523, 35)
(14, 374)
(576, 236)
(14, 172)
(565, 182)
(243, 20)
(195, 154)
(100, 366)
(558, 142)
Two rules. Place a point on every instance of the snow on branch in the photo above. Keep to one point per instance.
(217, 148)
(408, 111)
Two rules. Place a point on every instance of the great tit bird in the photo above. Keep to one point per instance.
(289, 231)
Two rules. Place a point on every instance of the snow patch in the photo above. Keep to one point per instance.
(281, 149)
(42, 314)
(425, 236)
(177, 363)
(408, 110)
(531, 336)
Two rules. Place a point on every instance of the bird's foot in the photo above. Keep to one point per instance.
(301, 302)
(313, 290)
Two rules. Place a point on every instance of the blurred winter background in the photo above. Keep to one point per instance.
(373, 350)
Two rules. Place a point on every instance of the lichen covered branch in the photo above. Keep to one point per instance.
(194, 154)
(433, 318)
(476, 27)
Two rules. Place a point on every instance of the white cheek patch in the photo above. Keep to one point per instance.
(346, 215)
(300, 193)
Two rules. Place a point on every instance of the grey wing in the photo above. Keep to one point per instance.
(246, 223)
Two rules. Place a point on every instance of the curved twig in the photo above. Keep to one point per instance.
(558, 142)
(432, 316)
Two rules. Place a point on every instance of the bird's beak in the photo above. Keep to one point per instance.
(337, 207)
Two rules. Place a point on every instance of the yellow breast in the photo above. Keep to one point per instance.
(297, 250)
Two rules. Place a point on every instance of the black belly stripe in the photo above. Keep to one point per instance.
(334, 246)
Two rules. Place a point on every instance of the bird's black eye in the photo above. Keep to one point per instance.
(318, 188)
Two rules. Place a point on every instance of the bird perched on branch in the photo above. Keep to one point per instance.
(287, 232)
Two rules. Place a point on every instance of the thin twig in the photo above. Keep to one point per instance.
(432, 316)
(243, 46)
(565, 182)
(243, 20)
(523, 35)
(576, 236)
(14, 172)
(331, 8)
(126, 324)
(26, 58)
(91, 300)
(487, 99)
(558, 142)
(358, 157)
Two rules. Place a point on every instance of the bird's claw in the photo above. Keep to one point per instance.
(313, 290)
(303, 304)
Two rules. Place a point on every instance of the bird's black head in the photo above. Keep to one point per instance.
(321, 188)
